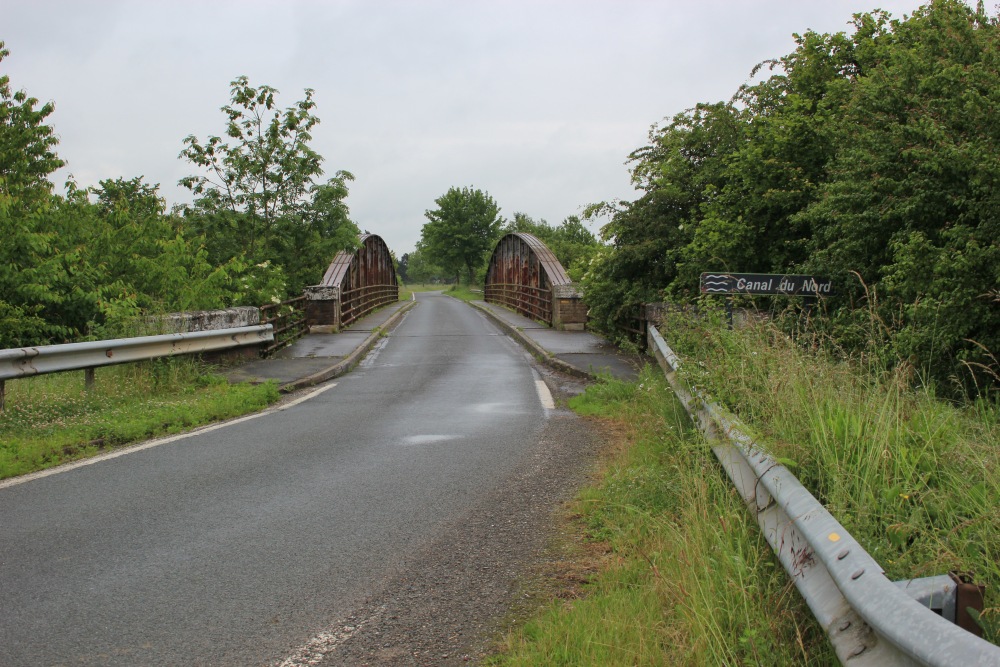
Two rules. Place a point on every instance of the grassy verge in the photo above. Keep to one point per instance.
(466, 292)
(52, 419)
(915, 479)
(463, 292)
(689, 580)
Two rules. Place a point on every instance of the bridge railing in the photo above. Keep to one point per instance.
(289, 321)
(533, 302)
(358, 302)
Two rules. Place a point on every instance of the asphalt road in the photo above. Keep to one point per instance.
(238, 546)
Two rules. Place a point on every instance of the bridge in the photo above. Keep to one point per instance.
(354, 285)
(524, 275)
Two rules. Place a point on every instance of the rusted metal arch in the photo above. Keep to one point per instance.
(522, 274)
(366, 278)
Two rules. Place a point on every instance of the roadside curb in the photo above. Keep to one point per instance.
(350, 361)
(534, 348)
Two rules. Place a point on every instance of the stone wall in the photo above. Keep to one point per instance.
(211, 320)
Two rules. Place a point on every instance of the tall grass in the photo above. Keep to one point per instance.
(51, 419)
(691, 581)
(914, 478)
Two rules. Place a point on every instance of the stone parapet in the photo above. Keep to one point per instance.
(569, 312)
(211, 320)
(323, 308)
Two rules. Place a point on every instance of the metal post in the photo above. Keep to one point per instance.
(88, 378)
(3, 394)
(729, 312)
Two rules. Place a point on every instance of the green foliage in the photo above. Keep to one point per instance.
(461, 231)
(97, 262)
(688, 578)
(419, 269)
(260, 200)
(915, 479)
(51, 419)
(911, 203)
(870, 158)
(28, 255)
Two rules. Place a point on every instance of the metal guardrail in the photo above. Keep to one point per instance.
(869, 619)
(28, 361)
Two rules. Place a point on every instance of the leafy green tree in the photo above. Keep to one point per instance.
(681, 169)
(462, 231)
(143, 262)
(259, 197)
(30, 268)
(420, 270)
(911, 204)
(403, 268)
(869, 157)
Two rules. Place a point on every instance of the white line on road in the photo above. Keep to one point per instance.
(314, 650)
(157, 442)
(544, 395)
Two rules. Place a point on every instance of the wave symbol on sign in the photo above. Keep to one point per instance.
(716, 283)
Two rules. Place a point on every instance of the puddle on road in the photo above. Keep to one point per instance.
(495, 408)
(427, 439)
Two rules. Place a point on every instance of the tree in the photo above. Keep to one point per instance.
(911, 203)
(420, 270)
(682, 168)
(871, 155)
(30, 267)
(260, 197)
(462, 231)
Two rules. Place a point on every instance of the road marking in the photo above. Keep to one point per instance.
(544, 395)
(149, 444)
(369, 359)
(314, 650)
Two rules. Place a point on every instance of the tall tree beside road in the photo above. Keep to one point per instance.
(912, 199)
(461, 231)
(260, 197)
(30, 267)
(869, 157)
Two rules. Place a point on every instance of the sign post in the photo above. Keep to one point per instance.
(765, 283)
(787, 284)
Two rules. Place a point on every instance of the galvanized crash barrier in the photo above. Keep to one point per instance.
(28, 361)
(869, 619)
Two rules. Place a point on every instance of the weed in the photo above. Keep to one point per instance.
(914, 478)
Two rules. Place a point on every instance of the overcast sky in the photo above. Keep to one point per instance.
(539, 103)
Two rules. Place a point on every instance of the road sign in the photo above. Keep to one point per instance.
(765, 283)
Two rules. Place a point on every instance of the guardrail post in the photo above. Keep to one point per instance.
(968, 595)
(88, 379)
(3, 394)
